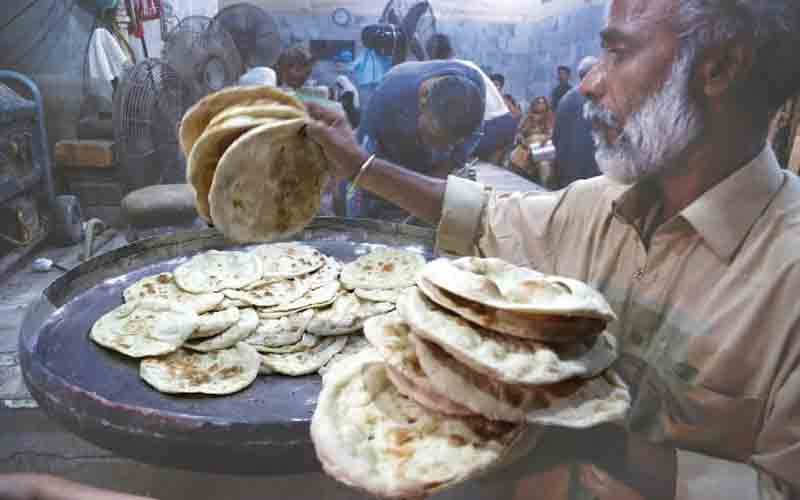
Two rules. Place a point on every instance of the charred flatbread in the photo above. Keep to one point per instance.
(215, 271)
(162, 286)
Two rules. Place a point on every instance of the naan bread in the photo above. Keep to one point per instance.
(356, 346)
(162, 286)
(268, 184)
(215, 271)
(270, 295)
(318, 298)
(304, 362)
(207, 151)
(574, 404)
(383, 268)
(327, 274)
(281, 332)
(392, 295)
(197, 118)
(228, 303)
(507, 359)
(368, 436)
(256, 112)
(306, 343)
(147, 327)
(248, 321)
(346, 315)
(215, 323)
(390, 335)
(497, 284)
(215, 373)
(548, 329)
(289, 260)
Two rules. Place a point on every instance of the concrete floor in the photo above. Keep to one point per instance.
(30, 442)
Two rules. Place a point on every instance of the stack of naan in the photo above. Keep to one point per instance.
(223, 317)
(475, 354)
(255, 174)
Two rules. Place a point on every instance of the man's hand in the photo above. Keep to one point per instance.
(46, 487)
(334, 135)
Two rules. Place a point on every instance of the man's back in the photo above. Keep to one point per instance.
(573, 140)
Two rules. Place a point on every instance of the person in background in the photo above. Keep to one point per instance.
(560, 90)
(348, 96)
(439, 47)
(294, 67)
(572, 136)
(536, 130)
(513, 106)
(427, 115)
(498, 80)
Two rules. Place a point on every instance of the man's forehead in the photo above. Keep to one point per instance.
(634, 16)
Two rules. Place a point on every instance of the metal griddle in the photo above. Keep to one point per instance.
(98, 395)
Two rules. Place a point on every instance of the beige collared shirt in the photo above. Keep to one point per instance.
(709, 320)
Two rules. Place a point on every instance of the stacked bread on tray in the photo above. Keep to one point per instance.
(474, 354)
(223, 317)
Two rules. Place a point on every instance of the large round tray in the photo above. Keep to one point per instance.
(99, 396)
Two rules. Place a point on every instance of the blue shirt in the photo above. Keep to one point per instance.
(572, 137)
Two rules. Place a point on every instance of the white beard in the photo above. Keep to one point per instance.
(658, 133)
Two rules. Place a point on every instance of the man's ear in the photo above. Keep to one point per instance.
(722, 67)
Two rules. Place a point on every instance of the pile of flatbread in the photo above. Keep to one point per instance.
(223, 317)
(255, 174)
(478, 354)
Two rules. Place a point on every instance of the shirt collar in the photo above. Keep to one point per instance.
(725, 214)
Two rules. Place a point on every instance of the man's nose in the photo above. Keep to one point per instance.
(593, 85)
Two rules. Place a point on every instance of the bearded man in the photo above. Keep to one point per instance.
(691, 233)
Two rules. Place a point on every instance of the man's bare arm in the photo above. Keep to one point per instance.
(46, 487)
(420, 195)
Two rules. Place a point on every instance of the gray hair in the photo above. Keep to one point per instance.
(586, 65)
(771, 26)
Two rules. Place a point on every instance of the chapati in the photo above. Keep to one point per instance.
(368, 436)
(306, 343)
(268, 184)
(255, 112)
(285, 331)
(248, 321)
(346, 315)
(215, 323)
(383, 268)
(327, 274)
(424, 395)
(572, 404)
(304, 362)
(289, 260)
(507, 359)
(356, 346)
(392, 295)
(214, 373)
(270, 295)
(215, 271)
(148, 327)
(318, 298)
(162, 286)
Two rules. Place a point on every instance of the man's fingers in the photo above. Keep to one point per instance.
(323, 113)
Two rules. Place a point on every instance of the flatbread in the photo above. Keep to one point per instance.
(305, 344)
(507, 359)
(325, 275)
(268, 184)
(497, 284)
(256, 111)
(281, 332)
(215, 373)
(207, 151)
(383, 268)
(318, 298)
(148, 327)
(215, 323)
(162, 286)
(304, 362)
(390, 335)
(346, 315)
(270, 295)
(369, 436)
(214, 271)
(541, 328)
(248, 321)
(289, 260)
(357, 345)
(392, 295)
(197, 118)
(227, 303)
(573, 404)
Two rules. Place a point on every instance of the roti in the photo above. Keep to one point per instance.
(507, 359)
(304, 362)
(289, 260)
(215, 323)
(307, 342)
(268, 184)
(390, 335)
(547, 329)
(270, 295)
(256, 111)
(143, 328)
(327, 274)
(573, 404)
(369, 436)
(215, 271)
(346, 315)
(197, 118)
(281, 332)
(318, 298)
(215, 373)
(380, 295)
(162, 286)
(356, 346)
(248, 321)
(382, 269)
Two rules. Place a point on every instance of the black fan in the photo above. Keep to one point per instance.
(254, 32)
(402, 32)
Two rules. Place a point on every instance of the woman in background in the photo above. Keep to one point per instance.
(536, 130)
